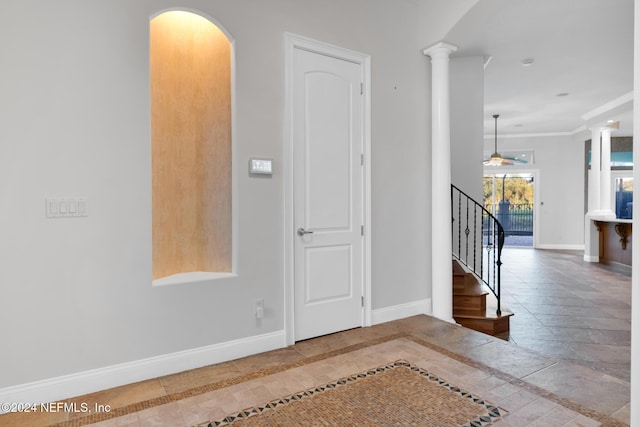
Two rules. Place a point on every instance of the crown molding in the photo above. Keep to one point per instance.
(609, 106)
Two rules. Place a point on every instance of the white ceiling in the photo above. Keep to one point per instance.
(580, 47)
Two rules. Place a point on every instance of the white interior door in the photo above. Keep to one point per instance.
(328, 194)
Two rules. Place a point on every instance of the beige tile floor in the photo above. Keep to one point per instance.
(568, 309)
(538, 383)
(535, 390)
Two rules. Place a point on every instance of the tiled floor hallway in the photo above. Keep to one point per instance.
(569, 309)
(536, 388)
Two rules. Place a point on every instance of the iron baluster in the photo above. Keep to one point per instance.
(466, 233)
(475, 244)
(459, 222)
(491, 236)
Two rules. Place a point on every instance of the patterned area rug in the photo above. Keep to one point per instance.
(395, 394)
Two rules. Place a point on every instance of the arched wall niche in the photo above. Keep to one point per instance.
(191, 148)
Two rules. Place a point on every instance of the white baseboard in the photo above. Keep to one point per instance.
(591, 258)
(388, 314)
(561, 247)
(67, 386)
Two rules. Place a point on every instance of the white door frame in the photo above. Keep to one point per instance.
(292, 42)
(536, 194)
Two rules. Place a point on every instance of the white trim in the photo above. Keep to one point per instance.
(537, 197)
(623, 100)
(367, 189)
(576, 247)
(591, 258)
(292, 42)
(401, 311)
(288, 225)
(67, 386)
(191, 277)
(511, 170)
(534, 135)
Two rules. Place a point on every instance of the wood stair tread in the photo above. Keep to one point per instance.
(468, 283)
(489, 313)
(487, 320)
(474, 306)
(475, 292)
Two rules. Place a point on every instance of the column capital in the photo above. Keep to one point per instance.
(606, 130)
(610, 126)
(440, 48)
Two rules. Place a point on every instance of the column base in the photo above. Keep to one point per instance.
(591, 237)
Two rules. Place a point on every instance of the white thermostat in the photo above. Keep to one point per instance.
(260, 166)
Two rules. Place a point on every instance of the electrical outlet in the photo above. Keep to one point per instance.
(260, 309)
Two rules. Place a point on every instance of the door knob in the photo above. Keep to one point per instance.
(302, 231)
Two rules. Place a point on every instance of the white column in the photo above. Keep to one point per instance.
(441, 247)
(635, 261)
(591, 232)
(594, 173)
(605, 174)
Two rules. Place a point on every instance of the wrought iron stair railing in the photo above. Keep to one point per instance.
(477, 239)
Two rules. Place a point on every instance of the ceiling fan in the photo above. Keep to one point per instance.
(496, 158)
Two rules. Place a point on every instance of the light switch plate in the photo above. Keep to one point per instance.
(260, 166)
(67, 207)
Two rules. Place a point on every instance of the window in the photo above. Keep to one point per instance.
(624, 197)
(190, 73)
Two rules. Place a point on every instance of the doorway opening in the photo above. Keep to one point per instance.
(511, 199)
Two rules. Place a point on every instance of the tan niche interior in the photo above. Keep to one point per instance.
(190, 64)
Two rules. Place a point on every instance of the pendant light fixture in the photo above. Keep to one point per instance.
(496, 158)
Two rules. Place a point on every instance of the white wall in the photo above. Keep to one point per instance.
(76, 293)
(559, 162)
(467, 125)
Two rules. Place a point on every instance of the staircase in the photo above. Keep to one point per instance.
(478, 239)
(474, 307)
